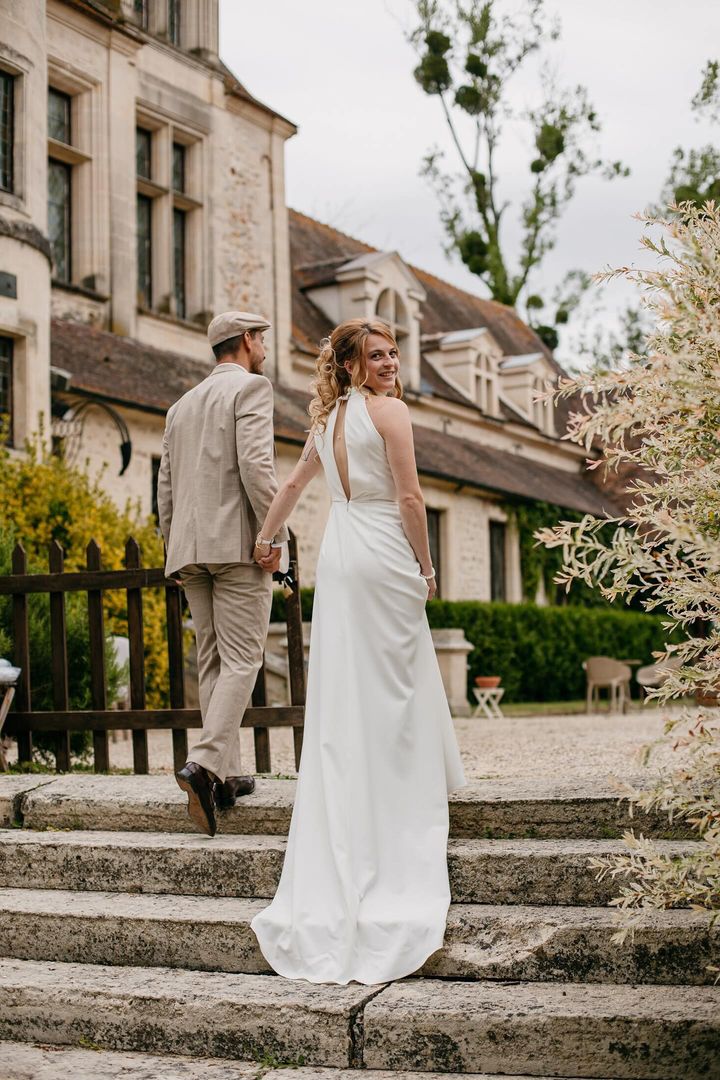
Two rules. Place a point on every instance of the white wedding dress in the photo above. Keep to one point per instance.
(364, 891)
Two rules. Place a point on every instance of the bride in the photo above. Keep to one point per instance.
(364, 891)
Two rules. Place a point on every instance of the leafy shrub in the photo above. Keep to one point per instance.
(78, 648)
(42, 499)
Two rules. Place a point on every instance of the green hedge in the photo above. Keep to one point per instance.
(537, 651)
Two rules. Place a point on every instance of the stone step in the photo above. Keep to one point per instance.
(653, 1032)
(485, 809)
(571, 944)
(196, 1013)
(481, 871)
(12, 790)
(532, 1029)
(22, 1061)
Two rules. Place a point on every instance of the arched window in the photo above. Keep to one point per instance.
(391, 309)
(543, 410)
(486, 384)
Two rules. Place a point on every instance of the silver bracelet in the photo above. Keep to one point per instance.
(259, 540)
(429, 577)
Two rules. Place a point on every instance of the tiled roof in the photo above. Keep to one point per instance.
(491, 469)
(121, 369)
(317, 251)
(126, 372)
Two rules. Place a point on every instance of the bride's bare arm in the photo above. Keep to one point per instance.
(288, 494)
(392, 419)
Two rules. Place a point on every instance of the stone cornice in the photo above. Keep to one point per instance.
(26, 233)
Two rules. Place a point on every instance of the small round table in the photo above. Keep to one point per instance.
(488, 701)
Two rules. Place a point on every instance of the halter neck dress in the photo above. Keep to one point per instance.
(364, 891)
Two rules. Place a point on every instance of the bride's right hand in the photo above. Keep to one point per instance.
(432, 589)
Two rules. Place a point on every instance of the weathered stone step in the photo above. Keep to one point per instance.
(626, 1032)
(22, 1061)
(485, 809)
(537, 1029)
(481, 871)
(197, 1013)
(482, 941)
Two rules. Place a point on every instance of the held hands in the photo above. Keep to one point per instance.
(267, 556)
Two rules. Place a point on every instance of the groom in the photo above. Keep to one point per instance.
(216, 482)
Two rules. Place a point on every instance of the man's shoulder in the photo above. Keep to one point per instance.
(254, 388)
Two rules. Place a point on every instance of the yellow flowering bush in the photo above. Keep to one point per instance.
(42, 499)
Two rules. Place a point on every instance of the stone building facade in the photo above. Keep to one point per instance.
(141, 192)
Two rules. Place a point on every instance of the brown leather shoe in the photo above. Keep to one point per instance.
(196, 781)
(227, 794)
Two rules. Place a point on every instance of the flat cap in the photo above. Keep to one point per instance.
(232, 323)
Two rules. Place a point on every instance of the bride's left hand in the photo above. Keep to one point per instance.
(267, 557)
(432, 589)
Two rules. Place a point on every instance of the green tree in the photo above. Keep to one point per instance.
(694, 175)
(469, 54)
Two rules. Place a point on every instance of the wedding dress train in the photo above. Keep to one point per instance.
(364, 891)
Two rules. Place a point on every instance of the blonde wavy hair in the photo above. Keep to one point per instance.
(332, 380)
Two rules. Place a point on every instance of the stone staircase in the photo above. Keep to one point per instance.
(125, 932)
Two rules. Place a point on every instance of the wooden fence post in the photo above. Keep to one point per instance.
(98, 689)
(261, 734)
(137, 657)
(173, 609)
(296, 651)
(58, 654)
(21, 653)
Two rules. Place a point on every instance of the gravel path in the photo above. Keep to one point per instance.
(596, 745)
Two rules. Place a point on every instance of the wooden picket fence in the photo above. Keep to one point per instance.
(99, 719)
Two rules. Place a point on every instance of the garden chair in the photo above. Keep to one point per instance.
(605, 672)
(654, 675)
(9, 676)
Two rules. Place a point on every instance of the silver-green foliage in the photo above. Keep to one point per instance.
(659, 416)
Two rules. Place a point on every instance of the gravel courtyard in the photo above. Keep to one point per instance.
(596, 745)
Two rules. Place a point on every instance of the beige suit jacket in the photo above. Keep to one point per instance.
(217, 473)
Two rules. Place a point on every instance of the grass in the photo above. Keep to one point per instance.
(543, 708)
(573, 708)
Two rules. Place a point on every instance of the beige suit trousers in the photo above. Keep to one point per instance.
(230, 608)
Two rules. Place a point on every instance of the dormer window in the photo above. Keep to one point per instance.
(391, 309)
(374, 284)
(522, 379)
(468, 360)
(486, 382)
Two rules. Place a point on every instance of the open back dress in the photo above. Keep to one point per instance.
(364, 891)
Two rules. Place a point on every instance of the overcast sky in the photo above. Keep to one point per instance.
(342, 71)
